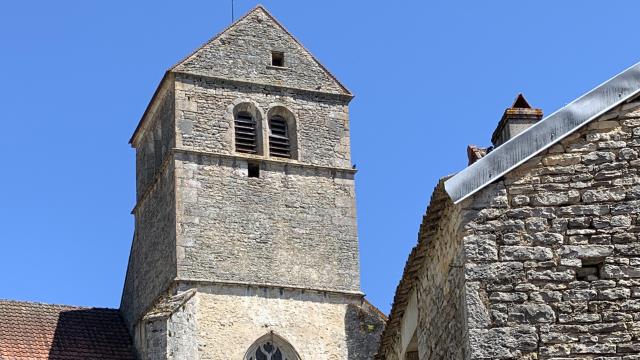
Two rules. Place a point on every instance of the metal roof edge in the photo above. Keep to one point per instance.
(544, 134)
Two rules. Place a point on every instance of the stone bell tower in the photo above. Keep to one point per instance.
(245, 243)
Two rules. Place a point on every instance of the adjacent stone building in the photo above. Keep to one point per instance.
(532, 252)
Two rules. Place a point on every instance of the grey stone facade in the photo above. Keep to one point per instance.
(541, 264)
(222, 257)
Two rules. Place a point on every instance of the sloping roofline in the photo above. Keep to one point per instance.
(544, 134)
(263, 9)
(172, 70)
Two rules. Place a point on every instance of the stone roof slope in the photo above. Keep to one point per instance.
(33, 331)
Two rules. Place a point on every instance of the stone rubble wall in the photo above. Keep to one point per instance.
(243, 53)
(169, 329)
(435, 271)
(552, 252)
(205, 121)
(293, 226)
(441, 307)
(152, 261)
(156, 142)
(319, 326)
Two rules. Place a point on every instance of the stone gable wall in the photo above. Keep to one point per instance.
(440, 288)
(243, 53)
(532, 237)
(441, 330)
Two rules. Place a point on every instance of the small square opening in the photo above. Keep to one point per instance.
(590, 270)
(277, 58)
(253, 170)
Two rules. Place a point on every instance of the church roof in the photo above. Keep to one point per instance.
(42, 331)
(545, 133)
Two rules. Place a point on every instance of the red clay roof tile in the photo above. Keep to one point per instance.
(56, 332)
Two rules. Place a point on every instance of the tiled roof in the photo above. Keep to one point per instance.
(41, 331)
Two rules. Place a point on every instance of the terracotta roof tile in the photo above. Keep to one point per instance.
(41, 331)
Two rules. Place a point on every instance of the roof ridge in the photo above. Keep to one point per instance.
(29, 302)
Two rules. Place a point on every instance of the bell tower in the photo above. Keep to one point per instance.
(245, 223)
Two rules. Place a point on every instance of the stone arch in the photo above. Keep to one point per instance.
(271, 347)
(241, 106)
(279, 110)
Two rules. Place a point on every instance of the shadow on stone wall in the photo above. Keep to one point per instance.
(363, 326)
(91, 334)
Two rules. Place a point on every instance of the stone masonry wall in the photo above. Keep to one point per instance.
(205, 122)
(243, 53)
(319, 326)
(435, 273)
(296, 224)
(440, 288)
(156, 142)
(292, 226)
(152, 261)
(553, 257)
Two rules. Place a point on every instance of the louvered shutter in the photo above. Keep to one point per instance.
(245, 133)
(279, 138)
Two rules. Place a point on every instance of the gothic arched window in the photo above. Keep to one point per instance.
(271, 347)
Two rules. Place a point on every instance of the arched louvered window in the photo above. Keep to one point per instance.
(279, 141)
(246, 139)
(271, 347)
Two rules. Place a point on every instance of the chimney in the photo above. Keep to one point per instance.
(516, 119)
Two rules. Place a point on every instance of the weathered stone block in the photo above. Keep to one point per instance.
(555, 199)
(502, 343)
(499, 272)
(521, 253)
(603, 195)
(586, 251)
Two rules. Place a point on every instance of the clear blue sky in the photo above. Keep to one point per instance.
(430, 77)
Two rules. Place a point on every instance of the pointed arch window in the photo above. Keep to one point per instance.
(271, 347)
(279, 142)
(245, 126)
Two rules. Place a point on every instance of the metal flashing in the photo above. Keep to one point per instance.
(544, 134)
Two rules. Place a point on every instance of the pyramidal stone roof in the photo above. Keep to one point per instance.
(36, 331)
